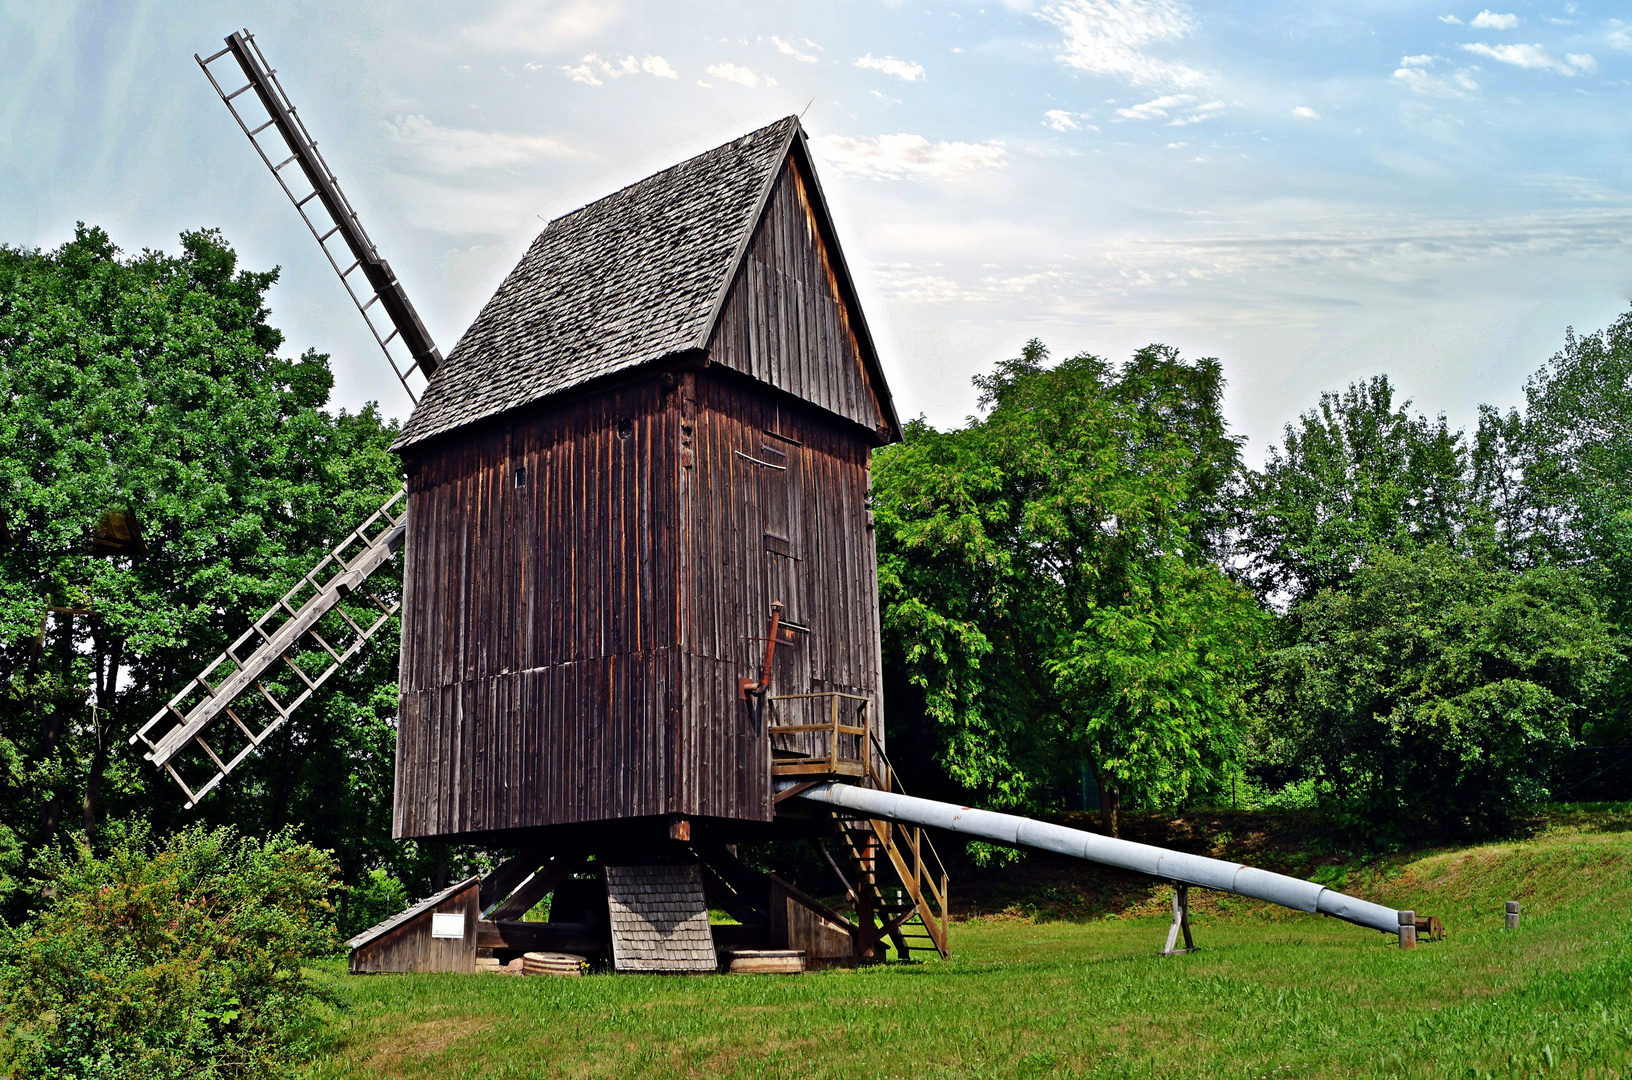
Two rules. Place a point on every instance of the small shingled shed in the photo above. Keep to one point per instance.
(658, 428)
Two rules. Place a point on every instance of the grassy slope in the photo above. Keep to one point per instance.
(1271, 994)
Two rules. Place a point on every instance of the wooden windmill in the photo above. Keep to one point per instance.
(638, 583)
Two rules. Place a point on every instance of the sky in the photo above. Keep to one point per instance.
(1313, 193)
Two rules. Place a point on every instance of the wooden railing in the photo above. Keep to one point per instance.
(844, 729)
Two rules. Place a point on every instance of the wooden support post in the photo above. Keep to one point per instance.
(680, 829)
(1408, 929)
(1181, 922)
(1512, 914)
(867, 937)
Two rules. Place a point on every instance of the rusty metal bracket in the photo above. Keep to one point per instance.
(747, 687)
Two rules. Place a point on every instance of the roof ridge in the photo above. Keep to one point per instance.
(650, 178)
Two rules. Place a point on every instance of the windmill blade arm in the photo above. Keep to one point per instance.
(383, 288)
(291, 629)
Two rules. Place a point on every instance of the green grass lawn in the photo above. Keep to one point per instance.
(1271, 994)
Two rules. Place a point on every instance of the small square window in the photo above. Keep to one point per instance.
(521, 477)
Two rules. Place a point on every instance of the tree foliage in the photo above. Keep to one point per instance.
(153, 385)
(1434, 685)
(1048, 581)
(1356, 473)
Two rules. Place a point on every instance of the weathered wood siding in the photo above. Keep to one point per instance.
(571, 646)
(410, 946)
(538, 659)
(825, 572)
(785, 321)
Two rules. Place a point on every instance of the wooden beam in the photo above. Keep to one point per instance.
(536, 888)
(741, 908)
(541, 936)
(502, 880)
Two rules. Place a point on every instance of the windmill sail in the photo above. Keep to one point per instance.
(281, 659)
(230, 708)
(316, 183)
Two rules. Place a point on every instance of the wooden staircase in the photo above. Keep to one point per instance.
(912, 914)
(842, 747)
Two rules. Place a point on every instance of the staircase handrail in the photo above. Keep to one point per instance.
(890, 782)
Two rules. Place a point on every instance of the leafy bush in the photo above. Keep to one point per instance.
(168, 961)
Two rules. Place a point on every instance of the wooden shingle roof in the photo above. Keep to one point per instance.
(625, 281)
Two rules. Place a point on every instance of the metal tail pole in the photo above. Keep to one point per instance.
(1175, 866)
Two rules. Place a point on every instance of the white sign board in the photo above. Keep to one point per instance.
(448, 926)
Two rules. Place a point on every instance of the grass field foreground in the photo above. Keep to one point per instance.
(1271, 994)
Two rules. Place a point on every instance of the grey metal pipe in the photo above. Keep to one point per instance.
(1158, 862)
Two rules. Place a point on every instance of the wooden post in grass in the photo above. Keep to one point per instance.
(1181, 922)
(1512, 914)
(1408, 929)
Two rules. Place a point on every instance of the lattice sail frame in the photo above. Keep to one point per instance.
(407, 333)
(314, 629)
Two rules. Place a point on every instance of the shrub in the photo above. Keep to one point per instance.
(168, 961)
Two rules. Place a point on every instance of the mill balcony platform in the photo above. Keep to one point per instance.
(827, 737)
(819, 736)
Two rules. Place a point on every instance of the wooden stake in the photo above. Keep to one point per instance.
(1181, 922)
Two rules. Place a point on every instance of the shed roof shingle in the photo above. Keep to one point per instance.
(626, 280)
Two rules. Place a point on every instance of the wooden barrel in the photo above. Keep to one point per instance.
(767, 961)
(553, 963)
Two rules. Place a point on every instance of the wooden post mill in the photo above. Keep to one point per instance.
(640, 577)
(639, 601)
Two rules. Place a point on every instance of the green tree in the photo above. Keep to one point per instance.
(1355, 473)
(152, 386)
(1049, 587)
(1436, 685)
(1576, 460)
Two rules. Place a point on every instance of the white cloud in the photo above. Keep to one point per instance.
(1621, 36)
(460, 149)
(1109, 38)
(1060, 120)
(740, 75)
(1205, 111)
(1414, 74)
(890, 65)
(1489, 20)
(788, 48)
(1534, 57)
(896, 157)
(1156, 108)
(1177, 109)
(1452, 19)
(592, 69)
(529, 26)
(1304, 112)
